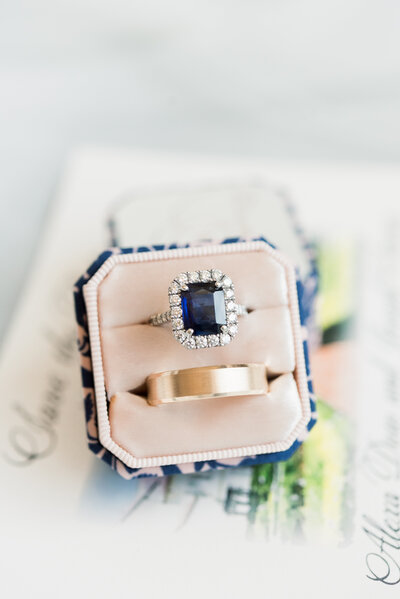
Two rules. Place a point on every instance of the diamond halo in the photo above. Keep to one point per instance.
(226, 331)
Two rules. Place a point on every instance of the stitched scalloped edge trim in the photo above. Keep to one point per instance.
(90, 292)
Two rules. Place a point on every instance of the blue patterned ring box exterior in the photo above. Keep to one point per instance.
(306, 293)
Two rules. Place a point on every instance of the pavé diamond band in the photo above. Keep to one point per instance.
(206, 382)
(203, 309)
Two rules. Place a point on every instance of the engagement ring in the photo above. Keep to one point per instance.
(203, 310)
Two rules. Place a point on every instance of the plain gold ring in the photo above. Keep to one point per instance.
(206, 382)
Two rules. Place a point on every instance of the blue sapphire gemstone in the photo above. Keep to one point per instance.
(203, 308)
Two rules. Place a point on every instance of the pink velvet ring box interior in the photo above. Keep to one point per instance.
(119, 350)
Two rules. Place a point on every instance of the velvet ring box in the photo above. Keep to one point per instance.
(119, 350)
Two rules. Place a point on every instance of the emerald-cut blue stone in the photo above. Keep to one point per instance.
(203, 308)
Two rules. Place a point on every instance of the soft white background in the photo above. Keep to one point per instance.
(289, 79)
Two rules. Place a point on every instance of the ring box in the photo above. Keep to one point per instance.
(113, 300)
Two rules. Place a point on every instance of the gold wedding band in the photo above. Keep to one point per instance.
(206, 382)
